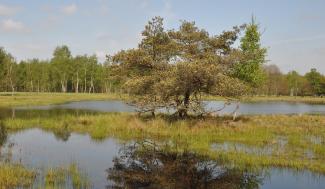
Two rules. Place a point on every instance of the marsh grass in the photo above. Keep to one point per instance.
(293, 99)
(277, 140)
(32, 99)
(66, 177)
(15, 176)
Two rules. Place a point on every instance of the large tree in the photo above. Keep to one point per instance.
(61, 61)
(173, 69)
(7, 71)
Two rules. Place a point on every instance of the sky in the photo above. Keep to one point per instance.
(293, 31)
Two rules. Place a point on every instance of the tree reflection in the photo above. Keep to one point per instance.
(3, 137)
(146, 165)
(63, 134)
(3, 134)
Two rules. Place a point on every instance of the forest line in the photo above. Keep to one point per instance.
(85, 74)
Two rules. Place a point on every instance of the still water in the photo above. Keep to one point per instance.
(244, 108)
(112, 164)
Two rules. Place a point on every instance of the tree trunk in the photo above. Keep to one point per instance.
(63, 88)
(186, 102)
(182, 112)
(31, 86)
(234, 113)
(38, 87)
(77, 84)
(85, 84)
(12, 87)
(91, 88)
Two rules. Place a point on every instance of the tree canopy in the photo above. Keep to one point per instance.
(175, 68)
(172, 68)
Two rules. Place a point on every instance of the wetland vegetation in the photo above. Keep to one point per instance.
(279, 140)
(166, 130)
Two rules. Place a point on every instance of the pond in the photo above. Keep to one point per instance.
(245, 108)
(110, 163)
(141, 164)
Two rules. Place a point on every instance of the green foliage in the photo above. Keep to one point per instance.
(7, 71)
(15, 176)
(66, 177)
(168, 68)
(173, 69)
(63, 73)
(276, 140)
(292, 83)
(249, 68)
(316, 81)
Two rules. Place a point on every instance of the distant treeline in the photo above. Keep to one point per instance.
(292, 83)
(62, 73)
(83, 73)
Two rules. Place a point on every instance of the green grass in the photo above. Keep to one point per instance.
(62, 177)
(306, 99)
(277, 140)
(15, 176)
(32, 99)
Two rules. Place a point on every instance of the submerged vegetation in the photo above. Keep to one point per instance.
(66, 177)
(279, 140)
(17, 176)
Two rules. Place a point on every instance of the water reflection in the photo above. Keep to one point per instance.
(140, 165)
(7, 113)
(146, 165)
(3, 135)
(63, 134)
(245, 107)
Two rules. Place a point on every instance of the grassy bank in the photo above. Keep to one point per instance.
(31, 99)
(293, 99)
(279, 140)
(307, 99)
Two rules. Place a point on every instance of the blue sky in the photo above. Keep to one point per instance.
(293, 30)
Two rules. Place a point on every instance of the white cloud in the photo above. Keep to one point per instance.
(69, 9)
(101, 55)
(10, 25)
(8, 10)
(31, 49)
